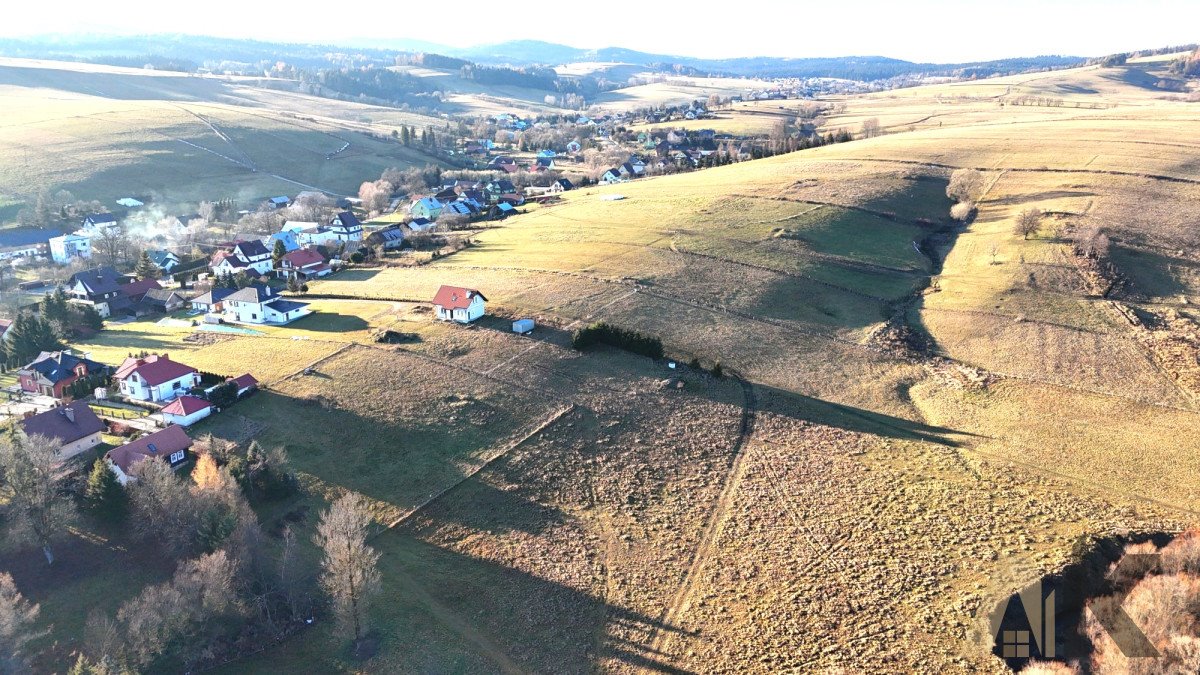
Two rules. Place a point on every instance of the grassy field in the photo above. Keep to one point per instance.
(843, 505)
(118, 132)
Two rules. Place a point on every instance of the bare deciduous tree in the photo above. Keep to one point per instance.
(174, 615)
(39, 513)
(962, 211)
(349, 574)
(966, 185)
(112, 244)
(375, 195)
(871, 128)
(17, 618)
(1028, 222)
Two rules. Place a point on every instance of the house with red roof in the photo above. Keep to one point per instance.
(245, 383)
(463, 305)
(136, 290)
(303, 264)
(155, 378)
(186, 410)
(170, 445)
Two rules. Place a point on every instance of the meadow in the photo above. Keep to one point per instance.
(832, 502)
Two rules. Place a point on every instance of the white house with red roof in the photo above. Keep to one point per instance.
(245, 383)
(303, 264)
(463, 305)
(155, 378)
(186, 410)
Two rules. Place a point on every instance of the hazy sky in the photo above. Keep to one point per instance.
(919, 30)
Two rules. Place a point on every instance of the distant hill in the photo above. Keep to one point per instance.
(200, 50)
(531, 52)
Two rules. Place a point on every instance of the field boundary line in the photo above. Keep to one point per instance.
(494, 457)
(314, 364)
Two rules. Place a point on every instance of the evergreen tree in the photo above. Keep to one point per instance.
(104, 495)
(146, 269)
(278, 252)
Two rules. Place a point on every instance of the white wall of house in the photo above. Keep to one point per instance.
(68, 246)
(472, 312)
(187, 420)
(135, 386)
(82, 445)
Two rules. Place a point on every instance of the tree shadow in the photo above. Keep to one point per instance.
(509, 616)
(331, 322)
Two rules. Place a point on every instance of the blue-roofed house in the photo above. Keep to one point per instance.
(280, 202)
(163, 259)
(547, 153)
(288, 237)
(24, 242)
(390, 239)
(426, 207)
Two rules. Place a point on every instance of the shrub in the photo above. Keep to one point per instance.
(615, 336)
(717, 371)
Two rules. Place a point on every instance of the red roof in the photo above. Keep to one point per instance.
(185, 405)
(244, 381)
(303, 257)
(139, 288)
(158, 444)
(155, 369)
(5, 324)
(453, 297)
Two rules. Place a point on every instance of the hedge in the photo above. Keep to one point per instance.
(615, 336)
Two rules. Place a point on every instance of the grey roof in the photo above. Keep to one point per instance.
(160, 257)
(347, 220)
(58, 366)
(251, 248)
(286, 306)
(97, 280)
(257, 293)
(161, 296)
(55, 423)
(212, 297)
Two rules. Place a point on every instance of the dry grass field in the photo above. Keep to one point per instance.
(108, 133)
(837, 503)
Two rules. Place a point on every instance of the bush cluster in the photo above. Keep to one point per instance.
(615, 336)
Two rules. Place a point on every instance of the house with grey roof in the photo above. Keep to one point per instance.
(261, 304)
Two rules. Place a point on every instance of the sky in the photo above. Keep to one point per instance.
(917, 30)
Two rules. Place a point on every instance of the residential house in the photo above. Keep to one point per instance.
(345, 226)
(677, 137)
(561, 185)
(502, 210)
(390, 239)
(155, 378)
(501, 161)
(25, 242)
(494, 189)
(100, 288)
(213, 301)
(547, 153)
(245, 382)
(459, 208)
(303, 264)
(543, 164)
(288, 237)
(463, 305)
(170, 444)
(574, 147)
(260, 304)
(426, 207)
(73, 427)
(98, 222)
(251, 257)
(186, 410)
(279, 202)
(66, 247)
(163, 259)
(611, 176)
(421, 225)
(52, 372)
(163, 300)
(136, 290)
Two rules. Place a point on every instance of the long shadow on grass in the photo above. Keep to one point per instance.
(504, 613)
(850, 418)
